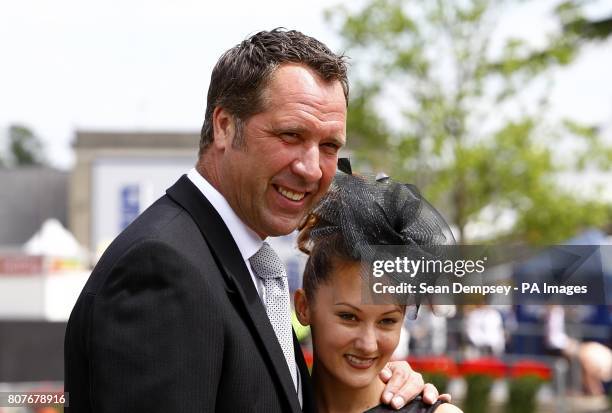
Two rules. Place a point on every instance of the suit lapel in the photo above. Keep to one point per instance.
(229, 259)
(308, 405)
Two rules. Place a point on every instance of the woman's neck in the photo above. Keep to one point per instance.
(333, 396)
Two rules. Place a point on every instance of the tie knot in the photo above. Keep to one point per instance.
(266, 263)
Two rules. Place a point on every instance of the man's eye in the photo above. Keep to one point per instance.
(330, 148)
(290, 135)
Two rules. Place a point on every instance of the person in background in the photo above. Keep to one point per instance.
(484, 329)
(595, 358)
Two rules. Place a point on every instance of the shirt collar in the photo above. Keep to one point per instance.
(246, 239)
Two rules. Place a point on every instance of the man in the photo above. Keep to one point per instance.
(178, 316)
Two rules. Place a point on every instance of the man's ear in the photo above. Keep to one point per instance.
(223, 128)
(302, 308)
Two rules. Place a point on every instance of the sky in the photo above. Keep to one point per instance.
(71, 65)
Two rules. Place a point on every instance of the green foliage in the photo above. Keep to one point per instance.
(580, 28)
(522, 393)
(439, 380)
(478, 391)
(25, 147)
(434, 103)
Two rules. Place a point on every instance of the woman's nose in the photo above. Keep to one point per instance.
(367, 341)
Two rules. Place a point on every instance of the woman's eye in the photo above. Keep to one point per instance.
(347, 316)
(389, 321)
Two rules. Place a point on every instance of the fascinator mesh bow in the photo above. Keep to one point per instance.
(372, 213)
(369, 212)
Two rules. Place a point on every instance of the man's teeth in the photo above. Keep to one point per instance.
(294, 196)
(359, 361)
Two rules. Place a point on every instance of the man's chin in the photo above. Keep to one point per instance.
(283, 227)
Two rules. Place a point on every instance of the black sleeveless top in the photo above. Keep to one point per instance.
(414, 406)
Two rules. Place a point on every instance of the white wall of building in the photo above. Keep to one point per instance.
(123, 187)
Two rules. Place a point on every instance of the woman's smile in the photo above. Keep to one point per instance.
(360, 362)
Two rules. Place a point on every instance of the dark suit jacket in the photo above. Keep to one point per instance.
(170, 321)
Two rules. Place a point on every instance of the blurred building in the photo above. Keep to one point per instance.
(30, 346)
(119, 174)
(28, 197)
(116, 176)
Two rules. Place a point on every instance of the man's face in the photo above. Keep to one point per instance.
(290, 153)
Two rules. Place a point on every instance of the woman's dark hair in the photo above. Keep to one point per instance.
(243, 73)
(324, 255)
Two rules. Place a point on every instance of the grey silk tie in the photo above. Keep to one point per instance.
(269, 267)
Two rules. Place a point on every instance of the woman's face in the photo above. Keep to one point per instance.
(352, 341)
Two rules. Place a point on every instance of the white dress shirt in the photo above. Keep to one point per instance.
(246, 239)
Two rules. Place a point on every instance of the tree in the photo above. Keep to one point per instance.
(574, 22)
(435, 105)
(25, 147)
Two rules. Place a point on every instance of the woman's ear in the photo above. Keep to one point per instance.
(302, 309)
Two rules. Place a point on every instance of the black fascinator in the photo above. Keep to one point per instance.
(371, 211)
(365, 218)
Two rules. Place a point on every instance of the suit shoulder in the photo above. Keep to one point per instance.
(164, 235)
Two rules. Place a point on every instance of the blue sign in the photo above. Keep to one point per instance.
(129, 205)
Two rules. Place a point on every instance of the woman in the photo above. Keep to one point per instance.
(353, 341)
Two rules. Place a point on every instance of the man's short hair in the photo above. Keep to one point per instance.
(243, 72)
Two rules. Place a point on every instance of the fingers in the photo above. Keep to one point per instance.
(403, 386)
(412, 388)
(385, 374)
(430, 394)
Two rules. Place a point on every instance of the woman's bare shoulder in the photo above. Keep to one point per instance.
(448, 408)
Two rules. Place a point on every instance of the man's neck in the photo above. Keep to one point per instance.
(333, 396)
(209, 174)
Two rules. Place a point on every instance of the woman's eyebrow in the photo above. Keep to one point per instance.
(398, 310)
(349, 305)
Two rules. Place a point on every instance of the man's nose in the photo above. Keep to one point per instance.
(307, 164)
(367, 342)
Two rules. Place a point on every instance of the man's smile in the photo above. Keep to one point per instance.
(289, 194)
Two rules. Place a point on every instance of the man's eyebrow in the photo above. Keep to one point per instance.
(289, 129)
(338, 141)
(300, 130)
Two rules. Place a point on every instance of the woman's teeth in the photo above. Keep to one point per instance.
(294, 196)
(358, 361)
